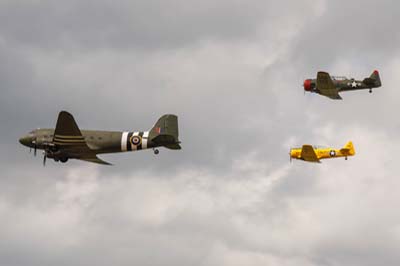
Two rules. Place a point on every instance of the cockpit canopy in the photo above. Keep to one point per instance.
(320, 147)
(339, 78)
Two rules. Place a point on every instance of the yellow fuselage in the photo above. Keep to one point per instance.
(325, 153)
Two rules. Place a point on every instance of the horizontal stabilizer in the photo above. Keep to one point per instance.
(373, 80)
(369, 81)
(348, 149)
(166, 133)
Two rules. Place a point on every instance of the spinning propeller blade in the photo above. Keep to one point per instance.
(44, 158)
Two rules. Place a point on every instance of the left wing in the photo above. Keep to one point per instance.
(308, 154)
(94, 159)
(326, 86)
(67, 133)
(68, 137)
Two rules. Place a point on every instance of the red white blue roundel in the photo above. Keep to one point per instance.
(136, 140)
(332, 153)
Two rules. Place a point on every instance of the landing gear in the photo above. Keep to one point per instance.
(63, 159)
(156, 151)
(345, 158)
(370, 90)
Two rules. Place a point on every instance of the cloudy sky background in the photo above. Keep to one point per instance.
(232, 71)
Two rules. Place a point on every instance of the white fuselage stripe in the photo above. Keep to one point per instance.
(124, 139)
(144, 139)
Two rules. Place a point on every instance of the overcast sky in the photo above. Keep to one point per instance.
(232, 70)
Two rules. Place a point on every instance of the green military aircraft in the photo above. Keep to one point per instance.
(331, 86)
(67, 141)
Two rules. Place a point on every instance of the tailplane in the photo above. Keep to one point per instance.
(373, 80)
(348, 149)
(165, 132)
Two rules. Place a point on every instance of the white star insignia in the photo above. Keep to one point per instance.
(354, 84)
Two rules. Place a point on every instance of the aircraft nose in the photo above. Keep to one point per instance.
(25, 140)
(307, 85)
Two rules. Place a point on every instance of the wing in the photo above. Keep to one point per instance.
(326, 87)
(308, 154)
(94, 159)
(68, 137)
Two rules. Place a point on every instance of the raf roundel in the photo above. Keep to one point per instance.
(136, 140)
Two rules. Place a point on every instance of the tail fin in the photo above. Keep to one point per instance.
(374, 79)
(348, 149)
(165, 132)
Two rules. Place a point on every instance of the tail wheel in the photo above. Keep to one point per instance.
(156, 151)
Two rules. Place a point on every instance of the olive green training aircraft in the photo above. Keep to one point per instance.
(67, 141)
(331, 86)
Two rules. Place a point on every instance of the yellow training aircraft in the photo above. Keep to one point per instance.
(314, 154)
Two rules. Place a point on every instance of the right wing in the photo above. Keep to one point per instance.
(326, 87)
(308, 154)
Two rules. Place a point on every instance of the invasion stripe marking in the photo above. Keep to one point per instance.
(144, 140)
(71, 143)
(124, 143)
(129, 146)
(139, 147)
(69, 140)
(65, 136)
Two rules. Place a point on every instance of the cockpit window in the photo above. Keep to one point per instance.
(339, 78)
(320, 147)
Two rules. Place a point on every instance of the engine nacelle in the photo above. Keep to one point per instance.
(309, 85)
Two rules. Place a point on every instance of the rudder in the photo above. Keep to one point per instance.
(165, 132)
(349, 149)
(376, 78)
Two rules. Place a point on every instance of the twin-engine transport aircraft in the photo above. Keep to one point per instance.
(67, 141)
(314, 154)
(331, 86)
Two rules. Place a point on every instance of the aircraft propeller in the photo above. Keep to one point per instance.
(44, 157)
(34, 148)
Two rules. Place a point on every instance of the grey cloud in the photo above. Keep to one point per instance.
(127, 24)
(232, 71)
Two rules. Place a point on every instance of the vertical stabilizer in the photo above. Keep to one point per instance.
(377, 79)
(349, 149)
(165, 132)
